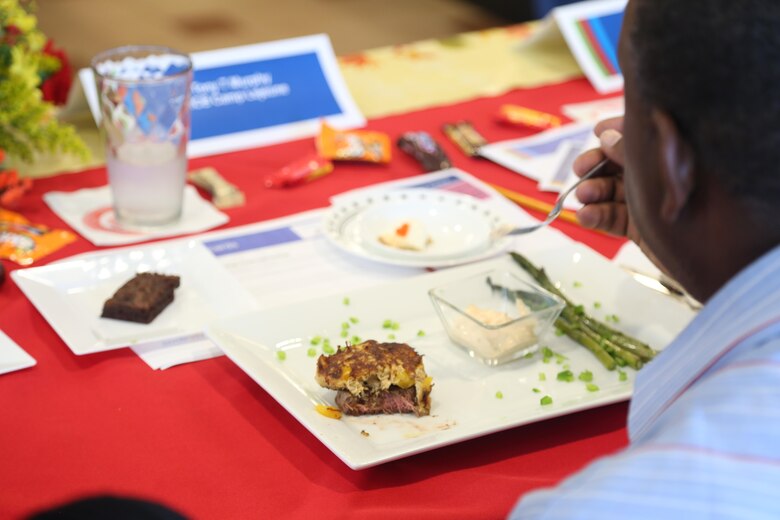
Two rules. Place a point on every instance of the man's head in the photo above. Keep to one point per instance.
(702, 131)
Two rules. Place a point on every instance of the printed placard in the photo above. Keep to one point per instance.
(256, 95)
(592, 30)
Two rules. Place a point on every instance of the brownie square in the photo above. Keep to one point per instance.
(142, 298)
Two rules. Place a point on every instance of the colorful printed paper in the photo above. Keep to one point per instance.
(592, 30)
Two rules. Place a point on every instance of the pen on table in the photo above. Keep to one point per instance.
(534, 204)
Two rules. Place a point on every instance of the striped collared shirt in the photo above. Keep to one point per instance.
(704, 421)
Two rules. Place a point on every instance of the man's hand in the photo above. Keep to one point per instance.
(603, 197)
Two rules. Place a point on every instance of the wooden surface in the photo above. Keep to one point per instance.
(85, 27)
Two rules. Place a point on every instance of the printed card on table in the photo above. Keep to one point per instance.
(538, 155)
(546, 157)
(592, 30)
(256, 95)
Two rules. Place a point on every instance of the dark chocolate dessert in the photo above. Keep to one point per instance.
(142, 298)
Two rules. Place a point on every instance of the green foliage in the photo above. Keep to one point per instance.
(28, 124)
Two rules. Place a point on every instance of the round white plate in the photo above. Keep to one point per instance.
(459, 226)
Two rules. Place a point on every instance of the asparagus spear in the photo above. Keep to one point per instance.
(621, 348)
(586, 341)
(615, 351)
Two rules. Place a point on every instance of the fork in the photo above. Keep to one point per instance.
(557, 208)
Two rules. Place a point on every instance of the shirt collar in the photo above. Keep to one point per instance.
(746, 304)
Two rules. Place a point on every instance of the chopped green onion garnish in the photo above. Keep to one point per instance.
(499, 395)
(542, 376)
(345, 301)
(390, 324)
(546, 400)
(566, 376)
(622, 376)
(391, 336)
(311, 352)
(591, 387)
(345, 325)
(316, 340)
(344, 333)
(577, 284)
(327, 349)
(597, 305)
(353, 319)
(536, 390)
(355, 340)
(420, 333)
(559, 332)
(586, 376)
(579, 310)
(281, 355)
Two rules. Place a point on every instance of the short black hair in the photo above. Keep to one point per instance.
(714, 67)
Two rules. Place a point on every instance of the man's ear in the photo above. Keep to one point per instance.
(676, 164)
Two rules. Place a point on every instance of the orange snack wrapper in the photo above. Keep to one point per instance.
(528, 117)
(353, 145)
(24, 243)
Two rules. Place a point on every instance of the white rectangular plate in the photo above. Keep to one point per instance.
(70, 294)
(464, 398)
(12, 357)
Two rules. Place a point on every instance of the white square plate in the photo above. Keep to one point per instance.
(465, 402)
(70, 294)
(12, 357)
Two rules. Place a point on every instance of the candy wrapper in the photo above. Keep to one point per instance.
(425, 150)
(527, 117)
(353, 145)
(24, 243)
(303, 170)
(465, 137)
(223, 194)
(12, 187)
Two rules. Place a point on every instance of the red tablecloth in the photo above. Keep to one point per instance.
(208, 441)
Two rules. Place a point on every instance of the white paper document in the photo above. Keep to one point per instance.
(595, 111)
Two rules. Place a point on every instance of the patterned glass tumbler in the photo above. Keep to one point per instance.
(144, 94)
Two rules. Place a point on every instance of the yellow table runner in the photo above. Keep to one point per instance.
(392, 80)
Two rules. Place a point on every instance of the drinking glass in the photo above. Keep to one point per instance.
(144, 94)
